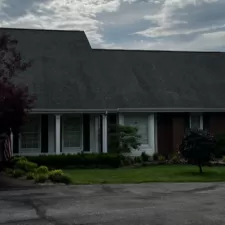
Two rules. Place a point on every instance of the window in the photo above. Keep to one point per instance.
(30, 137)
(141, 122)
(72, 132)
(196, 121)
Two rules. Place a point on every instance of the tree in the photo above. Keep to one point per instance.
(198, 146)
(122, 139)
(15, 100)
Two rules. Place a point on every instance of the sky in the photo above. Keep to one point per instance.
(193, 25)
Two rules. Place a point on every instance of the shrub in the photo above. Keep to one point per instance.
(137, 159)
(219, 150)
(161, 158)
(122, 139)
(175, 158)
(8, 171)
(224, 158)
(60, 178)
(42, 169)
(30, 176)
(155, 156)
(197, 146)
(54, 173)
(25, 165)
(40, 177)
(127, 161)
(18, 173)
(93, 160)
(144, 157)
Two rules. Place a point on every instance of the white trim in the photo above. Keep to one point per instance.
(11, 140)
(123, 110)
(73, 149)
(201, 120)
(156, 133)
(104, 134)
(57, 134)
(96, 134)
(31, 150)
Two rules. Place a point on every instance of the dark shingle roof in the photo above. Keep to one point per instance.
(68, 74)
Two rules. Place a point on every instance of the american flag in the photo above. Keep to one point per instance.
(7, 148)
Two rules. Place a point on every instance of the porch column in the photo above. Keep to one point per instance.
(11, 140)
(57, 134)
(104, 134)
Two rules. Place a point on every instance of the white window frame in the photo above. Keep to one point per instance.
(200, 118)
(72, 149)
(149, 148)
(31, 151)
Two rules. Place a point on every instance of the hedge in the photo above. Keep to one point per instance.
(77, 161)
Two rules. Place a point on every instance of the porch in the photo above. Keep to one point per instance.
(70, 133)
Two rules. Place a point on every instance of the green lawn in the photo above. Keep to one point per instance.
(162, 173)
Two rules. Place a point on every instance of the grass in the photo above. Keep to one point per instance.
(162, 173)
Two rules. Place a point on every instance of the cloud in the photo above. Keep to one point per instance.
(129, 24)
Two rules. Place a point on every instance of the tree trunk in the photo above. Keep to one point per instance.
(200, 167)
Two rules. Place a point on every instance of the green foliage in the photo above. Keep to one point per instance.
(25, 165)
(77, 161)
(127, 161)
(54, 173)
(219, 150)
(60, 178)
(137, 159)
(42, 169)
(40, 177)
(122, 139)
(9, 171)
(30, 176)
(198, 146)
(224, 158)
(18, 173)
(155, 157)
(175, 158)
(145, 157)
(161, 158)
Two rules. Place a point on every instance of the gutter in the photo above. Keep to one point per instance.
(123, 110)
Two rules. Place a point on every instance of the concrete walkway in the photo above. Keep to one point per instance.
(139, 204)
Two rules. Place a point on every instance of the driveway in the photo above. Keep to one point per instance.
(140, 204)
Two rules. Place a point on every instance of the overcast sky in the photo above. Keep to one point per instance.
(128, 24)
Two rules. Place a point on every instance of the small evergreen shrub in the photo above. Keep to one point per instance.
(161, 158)
(155, 157)
(25, 165)
(60, 178)
(40, 177)
(145, 157)
(30, 176)
(42, 169)
(18, 173)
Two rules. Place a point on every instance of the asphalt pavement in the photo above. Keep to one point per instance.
(133, 204)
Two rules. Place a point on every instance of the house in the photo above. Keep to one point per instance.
(80, 91)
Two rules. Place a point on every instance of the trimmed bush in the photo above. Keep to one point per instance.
(18, 173)
(40, 177)
(78, 160)
(60, 178)
(30, 176)
(9, 171)
(161, 158)
(145, 157)
(25, 165)
(54, 173)
(155, 157)
(42, 169)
